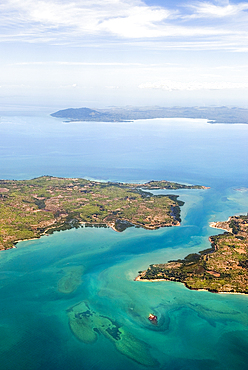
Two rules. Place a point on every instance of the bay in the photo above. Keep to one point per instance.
(43, 281)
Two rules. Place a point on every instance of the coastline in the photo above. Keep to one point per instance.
(221, 225)
(198, 290)
(219, 269)
(107, 224)
(69, 202)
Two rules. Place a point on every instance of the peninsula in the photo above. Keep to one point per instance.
(31, 208)
(222, 268)
(129, 113)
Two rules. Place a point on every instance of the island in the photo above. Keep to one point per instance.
(221, 268)
(129, 113)
(31, 208)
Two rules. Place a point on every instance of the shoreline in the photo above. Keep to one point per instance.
(218, 225)
(180, 282)
(110, 225)
(222, 261)
(69, 202)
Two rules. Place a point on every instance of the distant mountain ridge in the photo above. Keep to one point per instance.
(78, 113)
(121, 114)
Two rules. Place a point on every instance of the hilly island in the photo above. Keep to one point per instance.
(31, 208)
(221, 268)
(129, 113)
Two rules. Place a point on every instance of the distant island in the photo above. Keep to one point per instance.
(222, 268)
(122, 114)
(31, 208)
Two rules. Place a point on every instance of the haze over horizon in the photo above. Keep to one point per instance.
(61, 53)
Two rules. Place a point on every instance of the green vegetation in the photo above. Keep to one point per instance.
(222, 268)
(118, 114)
(31, 208)
(169, 185)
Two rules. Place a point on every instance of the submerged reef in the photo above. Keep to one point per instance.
(87, 325)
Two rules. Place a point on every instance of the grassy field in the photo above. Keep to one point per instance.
(31, 208)
(222, 268)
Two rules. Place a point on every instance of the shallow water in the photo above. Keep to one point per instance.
(43, 281)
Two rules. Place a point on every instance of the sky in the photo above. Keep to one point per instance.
(57, 54)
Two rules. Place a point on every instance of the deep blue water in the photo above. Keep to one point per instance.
(199, 330)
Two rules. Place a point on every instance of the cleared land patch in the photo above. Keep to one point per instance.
(31, 208)
(222, 268)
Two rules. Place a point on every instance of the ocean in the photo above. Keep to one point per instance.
(69, 300)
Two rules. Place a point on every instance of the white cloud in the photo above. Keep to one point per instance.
(207, 10)
(137, 22)
(78, 22)
(192, 86)
(112, 87)
(100, 64)
(82, 16)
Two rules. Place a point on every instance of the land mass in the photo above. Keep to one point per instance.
(31, 208)
(121, 114)
(221, 268)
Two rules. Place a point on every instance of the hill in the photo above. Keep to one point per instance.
(129, 113)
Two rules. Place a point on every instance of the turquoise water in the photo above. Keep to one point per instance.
(197, 330)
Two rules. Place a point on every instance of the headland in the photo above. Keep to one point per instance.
(31, 208)
(223, 268)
